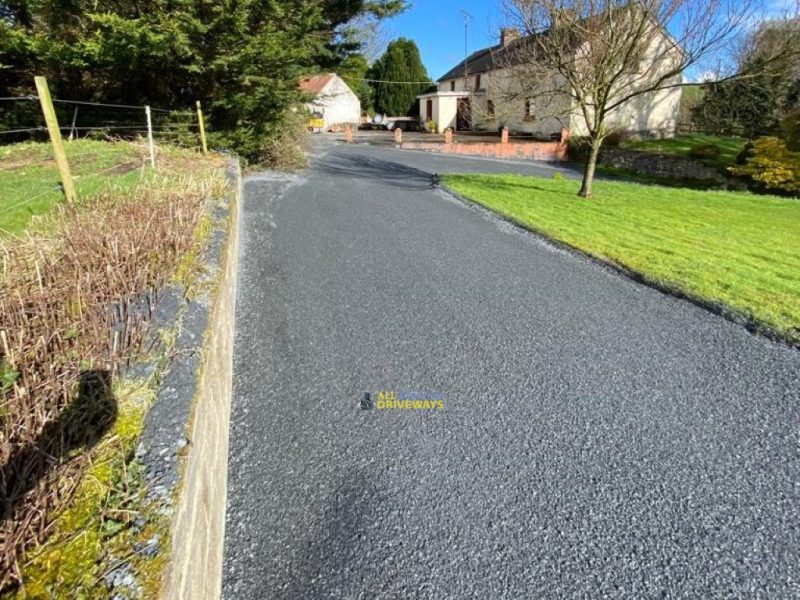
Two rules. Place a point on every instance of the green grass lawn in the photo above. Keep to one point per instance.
(729, 147)
(736, 248)
(29, 177)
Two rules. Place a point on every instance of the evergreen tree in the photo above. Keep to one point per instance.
(241, 58)
(400, 63)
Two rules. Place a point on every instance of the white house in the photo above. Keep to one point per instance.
(472, 95)
(333, 99)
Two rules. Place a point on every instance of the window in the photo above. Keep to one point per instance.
(429, 110)
(477, 82)
(528, 111)
(453, 86)
(490, 108)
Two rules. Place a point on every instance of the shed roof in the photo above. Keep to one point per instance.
(316, 83)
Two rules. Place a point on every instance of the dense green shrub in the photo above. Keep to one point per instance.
(578, 149)
(616, 137)
(771, 166)
(790, 130)
(707, 151)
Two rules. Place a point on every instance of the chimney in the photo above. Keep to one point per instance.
(508, 35)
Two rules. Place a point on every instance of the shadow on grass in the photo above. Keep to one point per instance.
(514, 188)
(81, 426)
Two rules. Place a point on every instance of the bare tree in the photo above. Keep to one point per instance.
(370, 33)
(592, 57)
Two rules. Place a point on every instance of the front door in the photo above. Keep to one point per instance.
(464, 115)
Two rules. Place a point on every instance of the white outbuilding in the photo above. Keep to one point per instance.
(333, 99)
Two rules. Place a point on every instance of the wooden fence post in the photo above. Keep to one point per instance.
(55, 139)
(150, 136)
(202, 127)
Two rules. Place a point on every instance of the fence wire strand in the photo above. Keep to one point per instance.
(28, 200)
(28, 130)
(123, 106)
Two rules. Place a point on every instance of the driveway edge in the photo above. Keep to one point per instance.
(717, 308)
(195, 568)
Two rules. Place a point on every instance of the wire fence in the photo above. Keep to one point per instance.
(21, 119)
(104, 144)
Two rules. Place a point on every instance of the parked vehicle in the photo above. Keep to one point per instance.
(392, 123)
(316, 123)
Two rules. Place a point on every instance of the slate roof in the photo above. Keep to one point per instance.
(484, 60)
(478, 62)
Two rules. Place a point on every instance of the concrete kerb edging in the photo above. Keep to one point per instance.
(195, 567)
(716, 308)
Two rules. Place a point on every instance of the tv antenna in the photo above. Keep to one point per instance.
(467, 18)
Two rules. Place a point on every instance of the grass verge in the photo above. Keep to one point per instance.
(75, 292)
(29, 178)
(729, 248)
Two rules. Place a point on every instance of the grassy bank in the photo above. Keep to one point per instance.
(74, 297)
(727, 247)
(729, 146)
(29, 178)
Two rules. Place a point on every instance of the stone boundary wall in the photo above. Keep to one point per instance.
(195, 568)
(673, 167)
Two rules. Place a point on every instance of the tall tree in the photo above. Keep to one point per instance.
(606, 53)
(399, 78)
(754, 105)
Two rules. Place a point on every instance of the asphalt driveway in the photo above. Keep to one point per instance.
(598, 438)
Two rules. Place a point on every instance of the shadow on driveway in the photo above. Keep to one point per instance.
(390, 174)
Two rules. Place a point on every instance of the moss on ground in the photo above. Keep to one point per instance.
(109, 527)
(71, 562)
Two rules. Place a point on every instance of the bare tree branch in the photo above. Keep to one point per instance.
(591, 59)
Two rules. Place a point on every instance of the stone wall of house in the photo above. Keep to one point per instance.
(674, 167)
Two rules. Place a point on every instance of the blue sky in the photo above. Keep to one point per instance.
(437, 27)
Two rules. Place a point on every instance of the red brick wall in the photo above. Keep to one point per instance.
(548, 151)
